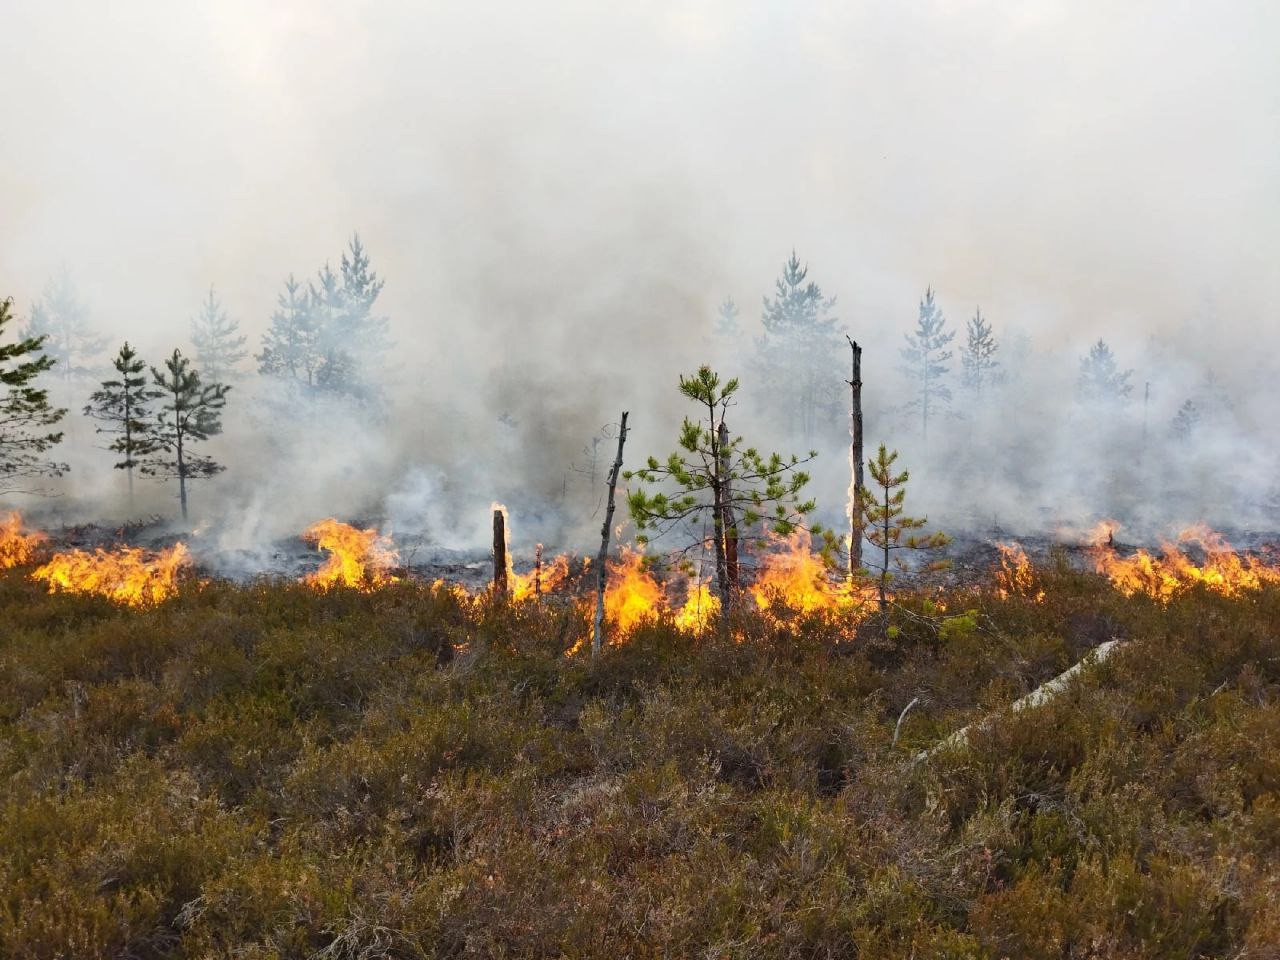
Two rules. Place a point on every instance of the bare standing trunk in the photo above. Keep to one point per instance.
(537, 572)
(182, 476)
(726, 509)
(857, 488)
(597, 632)
(717, 514)
(884, 571)
(499, 555)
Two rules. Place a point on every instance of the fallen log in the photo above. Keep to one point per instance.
(1037, 697)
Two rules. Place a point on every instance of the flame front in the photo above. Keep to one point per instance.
(700, 608)
(362, 559)
(16, 547)
(632, 596)
(128, 575)
(552, 576)
(796, 577)
(1016, 577)
(1165, 574)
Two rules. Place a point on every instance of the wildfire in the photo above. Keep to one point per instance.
(362, 559)
(796, 577)
(1016, 577)
(1165, 574)
(631, 595)
(128, 575)
(16, 547)
(544, 579)
(700, 607)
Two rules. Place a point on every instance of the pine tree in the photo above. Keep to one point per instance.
(1101, 379)
(727, 326)
(327, 339)
(924, 360)
(980, 368)
(122, 404)
(26, 416)
(365, 330)
(290, 347)
(798, 357)
(713, 476)
(190, 413)
(1186, 420)
(887, 526)
(62, 319)
(219, 345)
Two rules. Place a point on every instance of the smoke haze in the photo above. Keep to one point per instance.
(559, 195)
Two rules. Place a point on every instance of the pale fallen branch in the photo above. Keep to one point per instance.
(1037, 697)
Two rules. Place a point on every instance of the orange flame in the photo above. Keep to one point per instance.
(128, 575)
(16, 547)
(1016, 576)
(631, 595)
(362, 559)
(700, 608)
(1164, 575)
(527, 586)
(797, 578)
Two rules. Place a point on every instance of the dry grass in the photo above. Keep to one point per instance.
(264, 771)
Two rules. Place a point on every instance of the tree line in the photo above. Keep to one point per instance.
(324, 339)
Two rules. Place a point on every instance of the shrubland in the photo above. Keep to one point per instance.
(271, 770)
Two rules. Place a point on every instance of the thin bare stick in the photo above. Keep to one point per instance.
(602, 574)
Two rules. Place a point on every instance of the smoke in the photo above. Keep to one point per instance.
(559, 195)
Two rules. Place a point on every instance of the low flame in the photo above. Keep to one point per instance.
(127, 575)
(1016, 577)
(631, 595)
(1165, 574)
(551, 576)
(796, 577)
(700, 608)
(16, 547)
(361, 559)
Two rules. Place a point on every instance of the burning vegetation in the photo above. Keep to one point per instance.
(1163, 575)
(360, 559)
(126, 575)
(17, 546)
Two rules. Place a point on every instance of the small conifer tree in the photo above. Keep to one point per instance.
(61, 318)
(715, 476)
(797, 358)
(925, 358)
(979, 366)
(1101, 379)
(121, 405)
(26, 416)
(190, 412)
(888, 528)
(1186, 420)
(219, 345)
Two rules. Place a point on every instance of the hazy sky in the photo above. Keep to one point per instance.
(1097, 165)
(559, 194)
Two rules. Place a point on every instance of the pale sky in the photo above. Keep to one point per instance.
(1084, 166)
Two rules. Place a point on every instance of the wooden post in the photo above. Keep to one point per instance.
(602, 573)
(499, 554)
(726, 512)
(537, 572)
(856, 486)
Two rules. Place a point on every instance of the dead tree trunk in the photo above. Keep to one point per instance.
(499, 554)
(602, 574)
(537, 572)
(856, 486)
(726, 513)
